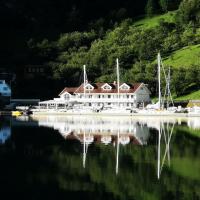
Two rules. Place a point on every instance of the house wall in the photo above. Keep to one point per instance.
(142, 95)
(110, 99)
(4, 89)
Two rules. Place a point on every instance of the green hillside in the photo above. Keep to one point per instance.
(192, 96)
(148, 22)
(185, 57)
(136, 43)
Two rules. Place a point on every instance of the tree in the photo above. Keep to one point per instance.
(164, 5)
(189, 12)
(167, 5)
(150, 8)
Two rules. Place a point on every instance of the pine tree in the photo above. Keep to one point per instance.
(150, 8)
(167, 5)
(164, 5)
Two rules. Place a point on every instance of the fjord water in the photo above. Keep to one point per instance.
(77, 157)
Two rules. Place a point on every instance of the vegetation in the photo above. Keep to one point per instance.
(194, 95)
(53, 166)
(176, 34)
(185, 57)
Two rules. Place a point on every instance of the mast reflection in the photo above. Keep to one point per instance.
(115, 131)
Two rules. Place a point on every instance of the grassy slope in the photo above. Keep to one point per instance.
(194, 95)
(154, 21)
(185, 57)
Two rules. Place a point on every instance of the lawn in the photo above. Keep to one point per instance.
(191, 96)
(184, 57)
(148, 22)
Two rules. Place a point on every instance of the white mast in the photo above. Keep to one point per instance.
(159, 84)
(118, 79)
(84, 78)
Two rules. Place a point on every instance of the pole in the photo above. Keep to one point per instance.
(159, 85)
(84, 78)
(117, 60)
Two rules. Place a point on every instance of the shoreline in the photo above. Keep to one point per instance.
(116, 114)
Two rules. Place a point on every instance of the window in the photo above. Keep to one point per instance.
(1, 82)
(106, 87)
(89, 87)
(109, 96)
(124, 86)
(5, 88)
(66, 96)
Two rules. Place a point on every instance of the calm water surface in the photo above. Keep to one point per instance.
(78, 157)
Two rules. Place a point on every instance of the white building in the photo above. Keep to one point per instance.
(101, 95)
(4, 89)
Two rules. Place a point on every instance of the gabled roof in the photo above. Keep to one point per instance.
(98, 88)
(124, 84)
(88, 84)
(69, 90)
(106, 84)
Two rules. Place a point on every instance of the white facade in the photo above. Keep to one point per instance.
(101, 95)
(4, 89)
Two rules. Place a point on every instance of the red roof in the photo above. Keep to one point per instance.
(98, 89)
(70, 90)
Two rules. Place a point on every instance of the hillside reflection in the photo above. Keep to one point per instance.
(102, 157)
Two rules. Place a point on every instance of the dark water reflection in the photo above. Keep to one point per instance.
(100, 158)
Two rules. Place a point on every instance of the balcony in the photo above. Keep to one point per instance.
(103, 100)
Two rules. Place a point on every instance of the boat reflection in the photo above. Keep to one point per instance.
(115, 131)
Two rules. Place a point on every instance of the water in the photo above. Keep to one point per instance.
(100, 158)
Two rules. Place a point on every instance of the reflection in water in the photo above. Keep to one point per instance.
(118, 131)
(5, 130)
(165, 130)
(101, 158)
(5, 133)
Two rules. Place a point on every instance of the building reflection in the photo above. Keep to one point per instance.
(115, 131)
(5, 130)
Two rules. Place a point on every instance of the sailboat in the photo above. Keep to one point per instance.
(120, 110)
(158, 108)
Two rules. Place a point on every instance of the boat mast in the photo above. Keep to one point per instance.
(84, 78)
(159, 84)
(117, 60)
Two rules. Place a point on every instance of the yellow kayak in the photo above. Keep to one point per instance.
(17, 113)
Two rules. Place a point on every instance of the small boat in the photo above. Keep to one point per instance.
(17, 113)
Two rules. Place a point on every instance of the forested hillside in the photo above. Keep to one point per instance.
(63, 37)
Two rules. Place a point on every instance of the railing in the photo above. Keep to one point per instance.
(99, 100)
